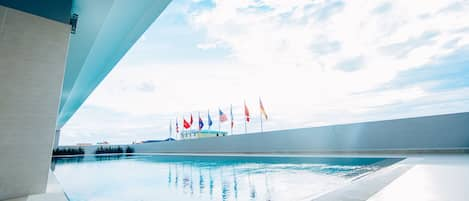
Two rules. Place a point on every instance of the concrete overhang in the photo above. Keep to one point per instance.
(105, 31)
(51, 9)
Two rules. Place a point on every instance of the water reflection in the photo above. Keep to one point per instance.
(177, 177)
(228, 182)
(107, 157)
(235, 184)
(71, 160)
(211, 183)
(146, 178)
(252, 189)
(170, 176)
(267, 187)
(201, 182)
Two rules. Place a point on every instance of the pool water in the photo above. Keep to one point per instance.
(206, 178)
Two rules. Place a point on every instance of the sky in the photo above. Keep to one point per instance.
(313, 63)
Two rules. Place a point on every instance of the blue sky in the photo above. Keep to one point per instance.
(312, 62)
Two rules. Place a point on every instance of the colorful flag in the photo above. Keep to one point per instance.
(262, 109)
(209, 119)
(192, 120)
(177, 126)
(246, 112)
(186, 124)
(231, 116)
(223, 117)
(201, 123)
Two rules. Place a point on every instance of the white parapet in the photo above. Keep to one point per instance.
(437, 133)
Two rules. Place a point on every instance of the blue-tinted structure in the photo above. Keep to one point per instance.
(50, 9)
(105, 31)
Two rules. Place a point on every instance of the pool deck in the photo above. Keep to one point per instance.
(54, 192)
(435, 177)
(420, 177)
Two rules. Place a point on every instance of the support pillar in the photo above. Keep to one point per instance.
(33, 52)
(56, 139)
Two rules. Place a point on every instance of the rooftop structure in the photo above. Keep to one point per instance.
(53, 54)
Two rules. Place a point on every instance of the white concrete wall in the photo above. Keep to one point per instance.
(424, 133)
(32, 59)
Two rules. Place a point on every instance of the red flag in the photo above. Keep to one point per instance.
(246, 112)
(186, 124)
(192, 120)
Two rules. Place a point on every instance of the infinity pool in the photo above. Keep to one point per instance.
(207, 178)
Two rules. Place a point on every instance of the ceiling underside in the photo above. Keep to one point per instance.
(106, 29)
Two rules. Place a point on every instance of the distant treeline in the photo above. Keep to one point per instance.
(114, 150)
(68, 151)
(99, 150)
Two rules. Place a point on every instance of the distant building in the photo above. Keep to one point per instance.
(191, 134)
(103, 142)
(165, 140)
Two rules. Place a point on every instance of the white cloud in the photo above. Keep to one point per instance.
(205, 46)
(313, 63)
(282, 35)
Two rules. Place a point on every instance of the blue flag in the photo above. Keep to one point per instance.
(201, 123)
(209, 119)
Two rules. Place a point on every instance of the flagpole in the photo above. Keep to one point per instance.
(219, 121)
(185, 130)
(170, 128)
(262, 129)
(231, 116)
(190, 129)
(245, 118)
(245, 125)
(178, 133)
(260, 114)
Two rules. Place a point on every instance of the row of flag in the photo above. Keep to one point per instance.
(187, 124)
